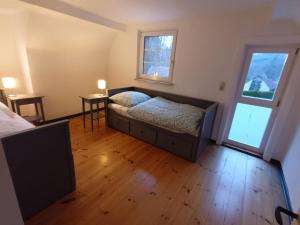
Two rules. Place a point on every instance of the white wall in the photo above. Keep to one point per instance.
(288, 149)
(9, 208)
(209, 50)
(11, 36)
(54, 55)
(291, 163)
(204, 57)
(66, 57)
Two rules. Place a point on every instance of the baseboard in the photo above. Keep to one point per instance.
(287, 198)
(69, 116)
(63, 118)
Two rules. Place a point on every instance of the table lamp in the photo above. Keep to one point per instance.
(9, 83)
(102, 86)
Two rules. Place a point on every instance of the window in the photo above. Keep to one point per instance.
(156, 55)
(264, 74)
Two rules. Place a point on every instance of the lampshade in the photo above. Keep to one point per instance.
(8, 82)
(101, 84)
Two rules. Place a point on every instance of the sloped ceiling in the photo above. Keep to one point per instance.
(147, 11)
(54, 37)
(74, 11)
(287, 10)
(62, 32)
(50, 29)
(117, 14)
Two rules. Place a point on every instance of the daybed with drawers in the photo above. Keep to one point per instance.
(186, 145)
(40, 159)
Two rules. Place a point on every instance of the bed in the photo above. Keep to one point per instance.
(40, 160)
(172, 135)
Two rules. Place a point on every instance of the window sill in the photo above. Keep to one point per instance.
(155, 81)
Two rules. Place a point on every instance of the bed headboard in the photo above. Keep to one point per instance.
(3, 98)
(205, 104)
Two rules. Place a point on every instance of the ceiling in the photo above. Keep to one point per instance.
(287, 10)
(116, 14)
(147, 11)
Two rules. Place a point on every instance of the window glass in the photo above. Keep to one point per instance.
(249, 124)
(157, 56)
(264, 74)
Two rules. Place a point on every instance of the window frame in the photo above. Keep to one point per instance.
(140, 59)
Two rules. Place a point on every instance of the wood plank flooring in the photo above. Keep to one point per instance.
(121, 180)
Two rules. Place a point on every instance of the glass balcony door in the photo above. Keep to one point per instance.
(262, 83)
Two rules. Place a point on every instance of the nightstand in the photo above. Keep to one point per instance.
(18, 100)
(91, 100)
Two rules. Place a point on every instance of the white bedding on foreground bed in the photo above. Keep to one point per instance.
(11, 122)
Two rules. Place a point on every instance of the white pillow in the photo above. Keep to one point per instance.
(129, 98)
(4, 109)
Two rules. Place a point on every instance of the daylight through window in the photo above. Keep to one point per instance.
(157, 50)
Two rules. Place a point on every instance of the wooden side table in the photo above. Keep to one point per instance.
(91, 100)
(18, 100)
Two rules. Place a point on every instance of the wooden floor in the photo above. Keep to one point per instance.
(121, 180)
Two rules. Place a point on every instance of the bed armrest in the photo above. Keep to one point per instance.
(41, 165)
(207, 121)
(213, 107)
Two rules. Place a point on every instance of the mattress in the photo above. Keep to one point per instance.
(122, 110)
(11, 122)
(176, 117)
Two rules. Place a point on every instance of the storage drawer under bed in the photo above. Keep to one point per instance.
(175, 144)
(143, 131)
(118, 122)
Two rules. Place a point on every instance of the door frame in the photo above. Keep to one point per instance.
(273, 104)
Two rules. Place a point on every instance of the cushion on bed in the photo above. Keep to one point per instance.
(170, 115)
(129, 98)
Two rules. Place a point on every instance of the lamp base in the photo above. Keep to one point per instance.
(103, 92)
